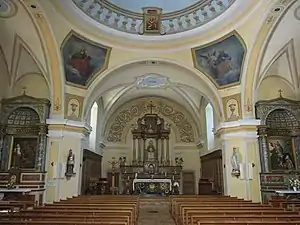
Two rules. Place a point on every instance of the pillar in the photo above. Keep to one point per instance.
(168, 149)
(64, 135)
(242, 136)
(139, 149)
(295, 133)
(263, 148)
(134, 151)
(162, 157)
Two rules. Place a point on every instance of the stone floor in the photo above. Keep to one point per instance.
(154, 211)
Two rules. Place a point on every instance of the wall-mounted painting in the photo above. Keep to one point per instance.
(23, 153)
(281, 154)
(221, 61)
(83, 59)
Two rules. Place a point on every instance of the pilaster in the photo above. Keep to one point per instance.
(241, 135)
(64, 135)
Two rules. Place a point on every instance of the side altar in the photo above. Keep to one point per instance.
(151, 170)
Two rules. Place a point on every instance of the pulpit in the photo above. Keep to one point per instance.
(151, 163)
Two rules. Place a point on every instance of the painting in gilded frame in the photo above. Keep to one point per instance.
(82, 59)
(152, 22)
(281, 154)
(221, 61)
(23, 152)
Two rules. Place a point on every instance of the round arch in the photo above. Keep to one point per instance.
(188, 76)
(271, 21)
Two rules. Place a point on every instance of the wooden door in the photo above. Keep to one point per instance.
(188, 182)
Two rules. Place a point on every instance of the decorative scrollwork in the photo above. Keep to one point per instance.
(123, 118)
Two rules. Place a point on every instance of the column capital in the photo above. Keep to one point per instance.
(60, 128)
(241, 128)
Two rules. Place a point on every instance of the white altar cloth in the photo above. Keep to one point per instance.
(138, 180)
(287, 192)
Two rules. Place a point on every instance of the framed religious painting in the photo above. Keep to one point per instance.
(281, 154)
(152, 22)
(23, 153)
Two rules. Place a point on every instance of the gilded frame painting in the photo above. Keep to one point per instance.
(152, 22)
(83, 59)
(28, 148)
(281, 154)
(222, 61)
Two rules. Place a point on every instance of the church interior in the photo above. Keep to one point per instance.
(152, 112)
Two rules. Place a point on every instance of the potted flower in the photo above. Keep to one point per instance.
(294, 183)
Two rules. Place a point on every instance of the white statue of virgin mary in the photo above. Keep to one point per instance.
(235, 161)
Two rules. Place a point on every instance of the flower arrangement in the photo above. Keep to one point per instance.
(12, 182)
(294, 183)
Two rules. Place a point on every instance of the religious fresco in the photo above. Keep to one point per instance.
(24, 152)
(221, 61)
(281, 155)
(83, 59)
(232, 107)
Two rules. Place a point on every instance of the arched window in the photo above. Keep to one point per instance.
(93, 124)
(209, 113)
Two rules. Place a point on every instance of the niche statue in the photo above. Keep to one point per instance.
(235, 163)
(70, 164)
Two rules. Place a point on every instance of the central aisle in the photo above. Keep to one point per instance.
(154, 211)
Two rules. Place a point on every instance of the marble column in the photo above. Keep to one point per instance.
(2, 136)
(134, 151)
(295, 133)
(168, 150)
(263, 148)
(41, 154)
(162, 151)
(139, 149)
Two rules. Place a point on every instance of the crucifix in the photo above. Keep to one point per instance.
(24, 90)
(151, 106)
(280, 93)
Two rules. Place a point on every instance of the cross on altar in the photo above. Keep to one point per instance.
(151, 106)
(24, 90)
(280, 93)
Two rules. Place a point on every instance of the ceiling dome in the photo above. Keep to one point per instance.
(167, 5)
(177, 16)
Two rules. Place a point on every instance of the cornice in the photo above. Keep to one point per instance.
(240, 128)
(65, 126)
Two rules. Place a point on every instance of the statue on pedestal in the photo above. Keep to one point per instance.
(235, 164)
(151, 151)
(17, 157)
(70, 164)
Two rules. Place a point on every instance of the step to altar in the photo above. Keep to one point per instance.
(154, 211)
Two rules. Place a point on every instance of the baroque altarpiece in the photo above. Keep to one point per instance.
(279, 143)
(150, 153)
(23, 140)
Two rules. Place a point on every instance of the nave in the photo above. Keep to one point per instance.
(133, 210)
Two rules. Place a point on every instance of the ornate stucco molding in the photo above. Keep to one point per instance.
(117, 126)
(120, 19)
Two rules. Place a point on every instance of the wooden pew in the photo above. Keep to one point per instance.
(102, 210)
(224, 210)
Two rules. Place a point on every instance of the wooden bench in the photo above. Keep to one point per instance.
(225, 210)
(101, 210)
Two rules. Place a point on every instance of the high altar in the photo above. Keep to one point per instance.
(151, 170)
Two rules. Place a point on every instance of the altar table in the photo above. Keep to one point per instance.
(288, 193)
(137, 180)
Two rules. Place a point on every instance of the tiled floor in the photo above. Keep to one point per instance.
(154, 211)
